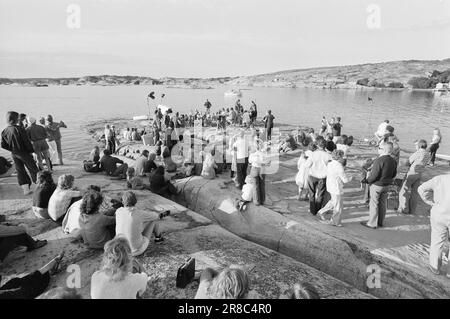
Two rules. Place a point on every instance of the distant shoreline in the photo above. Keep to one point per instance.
(394, 75)
(211, 87)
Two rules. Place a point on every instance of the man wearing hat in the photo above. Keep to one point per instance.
(37, 135)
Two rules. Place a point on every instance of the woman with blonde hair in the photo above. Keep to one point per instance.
(230, 283)
(64, 195)
(115, 279)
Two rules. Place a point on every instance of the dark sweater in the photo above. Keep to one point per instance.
(383, 172)
(16, 140)
(42, 196)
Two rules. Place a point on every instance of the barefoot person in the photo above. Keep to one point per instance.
(439, 218)
(16, 140)
(136, 225)
(55, 135)
(15, 236)
(33, 284)
(108, 164)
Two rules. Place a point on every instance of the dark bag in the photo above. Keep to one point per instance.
(186, 273)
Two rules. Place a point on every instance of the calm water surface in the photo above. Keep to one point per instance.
(413, 114)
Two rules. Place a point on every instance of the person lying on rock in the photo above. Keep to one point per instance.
(116, 280)
(15, 236)
(64, 196)
(33, 284)
(137, 225)
(109, 164)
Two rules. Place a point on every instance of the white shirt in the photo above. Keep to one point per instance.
(242, 148)
(344, 148)
(130, 223)
(60, 201)
(139, 165)
(382, 128)
(336, 178)
(247, 192)
(128, 288)
(440, 186)
(317, 163)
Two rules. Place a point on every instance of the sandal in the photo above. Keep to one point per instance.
(159, 239)
(164, 214)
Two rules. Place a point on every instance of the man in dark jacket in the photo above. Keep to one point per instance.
(15, 140)
(383, 172)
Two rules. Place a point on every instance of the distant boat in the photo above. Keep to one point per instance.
(237, 93)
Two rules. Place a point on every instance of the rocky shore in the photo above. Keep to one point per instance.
(334, 77)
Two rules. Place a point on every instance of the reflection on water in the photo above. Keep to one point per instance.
(413, 114)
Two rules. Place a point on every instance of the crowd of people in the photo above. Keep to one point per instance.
(123, 231)
(30, 144)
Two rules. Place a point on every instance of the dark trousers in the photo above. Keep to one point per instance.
(59, 148)
(433, 150)
(21, 161)
(317, 189)
(269, 133)
(28, 287)
(111, 146)
(241, 171)
(260, 186)
(7, 244)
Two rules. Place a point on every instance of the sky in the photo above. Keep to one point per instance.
(212, 38)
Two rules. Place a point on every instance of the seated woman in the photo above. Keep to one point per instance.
(115, 279)
(230, 283)
(159, 185)
(15, 236)
(44, 190)
(209, 167)
(134, 182)
(92, 165)
(168, 162)
(71, 221)
(136, 225)
(96, 227)
(150, 165)
(33, 284)
(64, 195)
